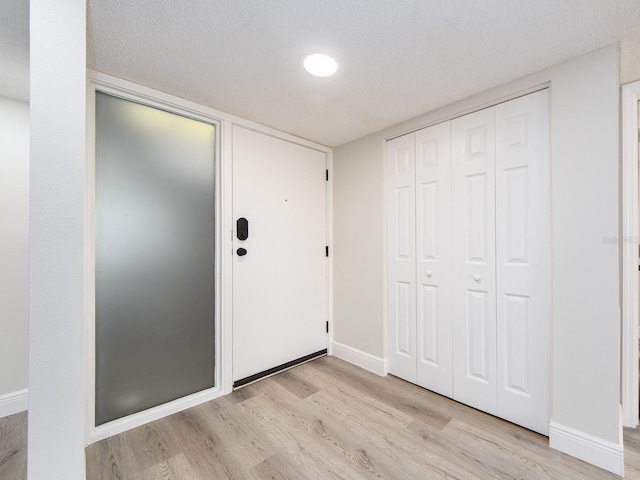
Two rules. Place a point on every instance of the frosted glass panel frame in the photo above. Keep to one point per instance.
(155, 257)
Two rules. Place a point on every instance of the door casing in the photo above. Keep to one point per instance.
(629, 253)
(97, 81)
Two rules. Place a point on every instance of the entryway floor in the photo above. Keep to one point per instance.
(325, 419)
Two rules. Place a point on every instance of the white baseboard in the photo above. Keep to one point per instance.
(359, 358)
(115, 427)
(13, 402)
(601, 453)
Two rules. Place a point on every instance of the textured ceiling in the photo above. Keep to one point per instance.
(14, 49)
(398, 59)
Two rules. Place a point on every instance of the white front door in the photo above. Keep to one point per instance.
(280, 284)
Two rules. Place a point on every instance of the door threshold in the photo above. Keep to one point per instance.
(272, 371)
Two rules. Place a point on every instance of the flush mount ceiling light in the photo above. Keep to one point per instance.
(320, 65)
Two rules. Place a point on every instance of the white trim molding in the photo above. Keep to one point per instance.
(629, 249)
(97, 81)
(601, 453)
(359, 358)
(137, 419)
(14, 402)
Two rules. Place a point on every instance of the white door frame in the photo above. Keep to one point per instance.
(629, 251)
(97, 81)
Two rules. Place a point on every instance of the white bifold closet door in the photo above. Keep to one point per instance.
(501, 260)
(468, 225)
(401, 247)
(523, 260)
(419, 270)
(474, 243)
(433, 247)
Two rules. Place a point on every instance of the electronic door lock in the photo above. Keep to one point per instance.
(242, 228)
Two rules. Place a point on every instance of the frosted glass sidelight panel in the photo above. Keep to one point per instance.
(155, 233)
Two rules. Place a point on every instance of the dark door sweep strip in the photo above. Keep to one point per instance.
(279, 368)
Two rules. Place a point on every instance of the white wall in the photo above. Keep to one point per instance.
(56, 330)
(585, 284)
(14, 211)
(629, 60)
(358, 243)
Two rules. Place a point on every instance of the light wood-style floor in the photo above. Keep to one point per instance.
(13, 447)
(325, 419)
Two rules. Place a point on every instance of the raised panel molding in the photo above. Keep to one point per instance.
(517, 352)
(428, 315)
(477, 142)
(477, 335)
(402, 162)
(476, 217)
(403, 219)
(516, 131)
(428, 207)
(517, 215)
(429, 153)
(403, 323)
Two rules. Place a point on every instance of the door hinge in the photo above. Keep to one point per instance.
(326, 251)
(326, 175)
(327, 327)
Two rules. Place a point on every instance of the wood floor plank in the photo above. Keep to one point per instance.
(338, 436)
(110, 459)
(420, 404)
(229, 436)
(299, 385)
(13, 447)
(314, 459)
(276, 467)
(324, 420)
(371, 434)
(504, 445)
(150, 445)
(13, 431)
(175, 468)
(374, 405)
(401, 450)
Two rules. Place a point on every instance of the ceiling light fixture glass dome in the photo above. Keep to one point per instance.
(320, 65)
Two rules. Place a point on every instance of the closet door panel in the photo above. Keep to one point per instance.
(523, 260)
(473, 254)
(433, 245)
(401, 257)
